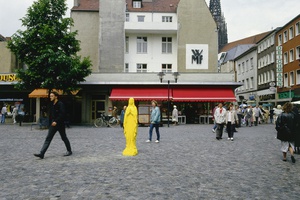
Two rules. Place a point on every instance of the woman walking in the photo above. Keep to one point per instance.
(285, 125)
(231, 120)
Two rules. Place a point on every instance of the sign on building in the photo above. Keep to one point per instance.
(279, 66)
(196, 56)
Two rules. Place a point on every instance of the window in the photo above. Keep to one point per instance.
(268, 76)
(141, 18)
(247, 84)
(272, 40)
(166, 68)
(285, 37)
(239, 69)
(265, 77)
(292, 78)
(272, 57)
(166, 18)
(243, 87)
(285, 80)
(141, 68)
(126, 44)
(251, 82)
(141, 44)
(251, 63)
(126, 68)
(298, 77)
(243, 67)
(247, 65)
(291, 55)
(166, 45)
(298, 52)
(137, 4)
(280, 39)
(285, 58)
(291, 32)
(127, 17)
(259, 79)
(272, 75)
(297, 28)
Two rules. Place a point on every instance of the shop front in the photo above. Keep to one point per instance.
(194, 103)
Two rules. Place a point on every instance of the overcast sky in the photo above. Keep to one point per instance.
(244, 18)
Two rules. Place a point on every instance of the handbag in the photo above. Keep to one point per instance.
(283, 131)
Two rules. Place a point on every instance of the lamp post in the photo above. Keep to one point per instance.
(161, 75)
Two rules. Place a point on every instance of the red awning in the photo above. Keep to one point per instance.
(123, 94)
(203, 94)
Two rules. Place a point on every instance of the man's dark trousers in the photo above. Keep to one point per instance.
(52, 130)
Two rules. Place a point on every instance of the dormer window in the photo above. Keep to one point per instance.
(166, 18)
(137, 4)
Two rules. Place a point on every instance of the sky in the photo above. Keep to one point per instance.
(244, 18)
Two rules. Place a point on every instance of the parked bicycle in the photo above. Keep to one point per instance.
(106, 121)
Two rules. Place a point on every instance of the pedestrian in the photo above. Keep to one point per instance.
(175, 115)
(220, 119)
(271, 116)
(277, 111)
(257, 113)
(122, 117)
(3, 114)
(213, 115)
(231, 121)
(249, 116)
(285, 126)
(297, 133)
(115, 112)
(14, 114)
(154, 121)
(239, 113)
(56, 120)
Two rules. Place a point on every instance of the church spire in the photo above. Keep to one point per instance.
(215, 9)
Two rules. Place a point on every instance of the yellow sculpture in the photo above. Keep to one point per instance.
(130, 129)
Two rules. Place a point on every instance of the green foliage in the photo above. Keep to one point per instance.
(48, 49)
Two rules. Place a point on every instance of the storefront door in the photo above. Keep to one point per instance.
(98, 106)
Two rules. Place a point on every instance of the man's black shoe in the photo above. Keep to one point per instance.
(41, 156)
(68, 153)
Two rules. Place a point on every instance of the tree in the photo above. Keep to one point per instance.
(48, 49)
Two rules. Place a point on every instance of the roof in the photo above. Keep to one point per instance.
(249, 40)
(236, 51)
(2, 38)
(86, 5)
(154, 6)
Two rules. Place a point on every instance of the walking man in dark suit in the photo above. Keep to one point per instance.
(56, 120)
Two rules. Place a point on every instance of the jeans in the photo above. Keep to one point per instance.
(156, 130)
(219, 131)
(3, 118)
(52, 130)
(230, 129)
(256, 121)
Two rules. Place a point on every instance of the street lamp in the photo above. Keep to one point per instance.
(161, 76)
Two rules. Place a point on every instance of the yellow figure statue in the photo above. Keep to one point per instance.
(130, 129)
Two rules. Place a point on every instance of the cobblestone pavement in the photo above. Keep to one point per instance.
(188, 163)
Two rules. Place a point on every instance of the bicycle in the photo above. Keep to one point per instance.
(106, 121)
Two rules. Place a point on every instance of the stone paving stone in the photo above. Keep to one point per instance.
(188, 163)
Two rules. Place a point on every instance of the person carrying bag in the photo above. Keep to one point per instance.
(285, 126)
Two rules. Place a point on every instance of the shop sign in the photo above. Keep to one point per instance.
(285, 95)
(279, 66)
(8, 77)
(196, 56)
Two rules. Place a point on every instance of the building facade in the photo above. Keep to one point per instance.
(288, 58)
(149, 45)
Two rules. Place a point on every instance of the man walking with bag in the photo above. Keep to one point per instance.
(56, 119)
